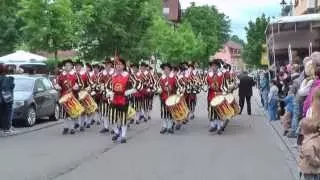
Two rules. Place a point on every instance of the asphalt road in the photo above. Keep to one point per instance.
(248, 150)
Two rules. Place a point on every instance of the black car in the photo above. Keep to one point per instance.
(34, 98)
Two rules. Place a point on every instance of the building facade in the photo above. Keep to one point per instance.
(231, 54)
(306, 7)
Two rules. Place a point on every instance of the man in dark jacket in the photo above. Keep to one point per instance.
(6, 99)
(245, 91)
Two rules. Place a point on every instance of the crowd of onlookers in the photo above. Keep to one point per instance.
(292, 94)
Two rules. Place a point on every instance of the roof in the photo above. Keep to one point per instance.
(295, 19)
(22, 56)
(233, 45)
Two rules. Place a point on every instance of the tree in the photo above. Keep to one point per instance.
(255, 39)
(213, 27)
(117, 25)
(52, 25)
(9, 26)
(236, 39)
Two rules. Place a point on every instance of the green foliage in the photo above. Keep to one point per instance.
(213, 27)
(52, 64)
(9, 26)
(255, 39)
(52, 25)
(236, 39)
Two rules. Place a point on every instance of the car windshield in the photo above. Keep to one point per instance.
(23, 84)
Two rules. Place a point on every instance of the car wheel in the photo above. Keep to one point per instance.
(55, 116)
(31, 117)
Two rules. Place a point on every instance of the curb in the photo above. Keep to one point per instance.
(32, 129)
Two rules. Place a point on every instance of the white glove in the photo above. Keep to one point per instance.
(129, 92)
(57, 87)
(75, 87)
(110, 94)
(148, 90)
(159, 90)
(93, 93)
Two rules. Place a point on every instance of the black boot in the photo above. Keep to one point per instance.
(81, 129)
(72, 131)
(149, 117)
(131, 121)
(104, 130)
(163, 130)
(115, 137)
(212, 129)
(219, 131)
(88, 126)
(93, 122)
(145, 119)
(192, 117)
(65, 131)
(178, 126)
(98, 123)
(171, 131)
(76, 126)
(225, 124)
(123, 140)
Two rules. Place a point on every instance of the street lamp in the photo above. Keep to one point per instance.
(283, 4)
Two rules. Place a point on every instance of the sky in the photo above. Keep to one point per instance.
(240, 11)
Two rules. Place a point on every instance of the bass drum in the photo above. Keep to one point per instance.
(177, 107)
(232, 101)
(221, 107)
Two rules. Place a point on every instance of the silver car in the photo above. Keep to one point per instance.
(34, 98)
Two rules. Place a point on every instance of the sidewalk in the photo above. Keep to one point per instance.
(37, 127)
(290, 143)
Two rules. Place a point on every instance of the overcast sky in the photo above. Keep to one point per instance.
(240, 11)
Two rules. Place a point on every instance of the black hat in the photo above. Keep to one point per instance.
(143, 64)
(108, 61)
(88, 65)
(120, 61)
(163, 65)
(134, 65)
(227, 66)
(95, 65)
(78, 63)
(190, 64)
(67, 61)
(216, 62)
(175, 68)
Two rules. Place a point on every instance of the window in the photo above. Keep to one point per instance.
(39, 86)
(23, 84)
(47, 84)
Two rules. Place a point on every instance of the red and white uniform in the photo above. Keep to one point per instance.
(214, 81)
(67, 81)
(83, 78)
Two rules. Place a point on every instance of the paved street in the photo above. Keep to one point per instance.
(248, 150)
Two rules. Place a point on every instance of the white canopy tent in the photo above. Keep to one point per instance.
(22, 57)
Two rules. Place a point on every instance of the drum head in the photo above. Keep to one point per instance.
(82, 94)
(172, 100)
(229, 98)
(65, 98)
(217, 100)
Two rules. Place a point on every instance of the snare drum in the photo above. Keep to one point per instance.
(232, 101)
(131, 113)
(71, 105)
(221, 107)
(177, 107)
(87, 102)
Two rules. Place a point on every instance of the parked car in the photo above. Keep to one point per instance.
(34, 98)
(30, 67)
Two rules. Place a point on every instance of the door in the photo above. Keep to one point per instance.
(40, 98)
(50, 96)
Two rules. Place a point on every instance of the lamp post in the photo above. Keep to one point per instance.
(283, 3)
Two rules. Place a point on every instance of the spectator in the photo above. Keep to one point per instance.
(286, 118)
(272, 101)
(6, 98)
(245, 91)
(309, 159)
(303, 84)
(264, 89)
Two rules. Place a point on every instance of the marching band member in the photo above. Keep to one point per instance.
(119, 87)
(214, 80)
(82, 77)
(191, 95)
(67, 82)
(146, 91)
(167, 86)
(104, 78)
(137, 97)
(93, 72)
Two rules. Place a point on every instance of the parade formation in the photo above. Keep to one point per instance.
(116, 95)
